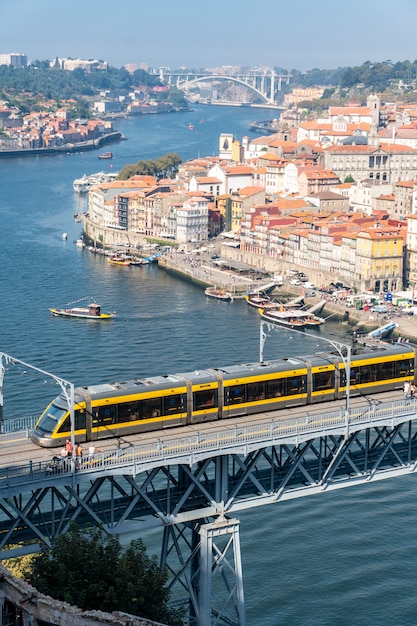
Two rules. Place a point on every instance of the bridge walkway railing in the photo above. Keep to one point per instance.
(238, 439)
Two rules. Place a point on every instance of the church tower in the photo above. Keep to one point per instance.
(373, 102)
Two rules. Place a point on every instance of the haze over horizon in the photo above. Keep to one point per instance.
(300, 35)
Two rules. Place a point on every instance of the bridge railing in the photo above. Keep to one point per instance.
(18, 424)
(274, 431)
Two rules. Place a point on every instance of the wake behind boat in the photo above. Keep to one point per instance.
(92, 312)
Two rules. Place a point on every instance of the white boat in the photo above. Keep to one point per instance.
(291, 318)
(85, 183)
(219, 294)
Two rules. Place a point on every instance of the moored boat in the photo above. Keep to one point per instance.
(119, 260)
(219, 294)
(291, 318)
(92, 312)
(261, 301)
(85, 183)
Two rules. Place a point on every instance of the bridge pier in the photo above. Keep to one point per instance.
(210, 570)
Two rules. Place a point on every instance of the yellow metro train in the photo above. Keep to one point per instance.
(158, 402)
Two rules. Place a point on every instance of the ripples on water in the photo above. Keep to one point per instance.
(346, 557)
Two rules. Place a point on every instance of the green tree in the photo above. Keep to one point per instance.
(90, 570)
(160, 168)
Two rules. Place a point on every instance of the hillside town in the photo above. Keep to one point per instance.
(335, 196)
(49, 131)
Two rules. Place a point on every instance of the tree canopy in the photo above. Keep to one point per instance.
(90, 570)
(162, 167)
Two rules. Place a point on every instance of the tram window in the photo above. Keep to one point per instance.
(151, 408)
(128, 412)
(255, 391)
(79, 422)
(323, 380)
(235, 394)
(172, 404)
(295, 384)
(367, 374)
(105, 415)
(354, 377)
(384, 371)
(204, 399)
(275, 388)
(404, 368)
(65, 426)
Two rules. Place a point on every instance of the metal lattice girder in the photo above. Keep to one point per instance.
(176, 493)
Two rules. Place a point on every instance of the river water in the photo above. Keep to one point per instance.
(346, 558)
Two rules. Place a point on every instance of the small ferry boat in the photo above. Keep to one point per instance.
(219, 294)
(106, 155)
(91, 312)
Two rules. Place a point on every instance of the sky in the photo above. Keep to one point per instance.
(290, 34)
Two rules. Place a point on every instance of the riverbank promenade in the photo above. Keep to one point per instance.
(201, 271)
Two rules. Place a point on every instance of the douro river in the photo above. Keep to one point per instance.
(345, 558)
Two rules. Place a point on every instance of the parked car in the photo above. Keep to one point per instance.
(295, 281)
(309, 285)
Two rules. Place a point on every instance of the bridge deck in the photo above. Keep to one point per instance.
(22, 462)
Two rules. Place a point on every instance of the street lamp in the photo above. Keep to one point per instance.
(337, 345)
(67, 388)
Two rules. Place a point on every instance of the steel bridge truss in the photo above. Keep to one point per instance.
(193, 497)
(264, 82)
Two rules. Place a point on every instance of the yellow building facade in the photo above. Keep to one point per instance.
(380, 259)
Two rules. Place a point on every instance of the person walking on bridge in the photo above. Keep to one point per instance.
(91, 453)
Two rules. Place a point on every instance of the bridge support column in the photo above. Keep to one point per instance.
(216, 540)
(272, 92)
(205, 561)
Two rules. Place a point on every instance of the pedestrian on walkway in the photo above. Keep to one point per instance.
(68, 447)
(406, 389)
(91, 452)
(78, 454)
